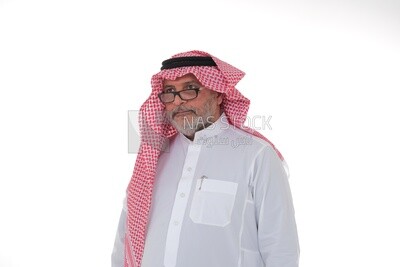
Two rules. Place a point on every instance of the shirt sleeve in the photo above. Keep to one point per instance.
(117, 256)
(277, 231)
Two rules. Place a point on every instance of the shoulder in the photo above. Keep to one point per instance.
(260, 148)
(253, 141)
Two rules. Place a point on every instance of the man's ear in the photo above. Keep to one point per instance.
(220, 97)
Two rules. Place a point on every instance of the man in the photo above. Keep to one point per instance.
(206, 191)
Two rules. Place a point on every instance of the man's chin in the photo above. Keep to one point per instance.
(184, 118)
(184, 124)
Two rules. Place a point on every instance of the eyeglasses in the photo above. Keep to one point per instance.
(186, 94)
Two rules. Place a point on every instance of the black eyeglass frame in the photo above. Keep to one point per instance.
(178, 93)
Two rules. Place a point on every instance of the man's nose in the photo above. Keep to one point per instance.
(178, 100)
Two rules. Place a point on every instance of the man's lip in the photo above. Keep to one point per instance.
(183, 112)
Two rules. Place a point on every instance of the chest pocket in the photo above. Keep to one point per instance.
(213, 202)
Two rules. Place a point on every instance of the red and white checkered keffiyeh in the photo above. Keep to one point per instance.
(155, 132)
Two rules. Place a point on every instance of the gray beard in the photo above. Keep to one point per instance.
(190, 127)
(197, 123)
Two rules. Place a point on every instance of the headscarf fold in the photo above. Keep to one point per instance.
(155, 132)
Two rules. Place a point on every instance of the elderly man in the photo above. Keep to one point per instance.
(206, 191)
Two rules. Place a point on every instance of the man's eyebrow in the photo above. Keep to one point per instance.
(191, 81)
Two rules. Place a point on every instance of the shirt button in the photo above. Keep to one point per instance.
(189, 169)
(176, 223)
(182, 195)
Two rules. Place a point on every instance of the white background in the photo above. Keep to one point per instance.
(326, 71)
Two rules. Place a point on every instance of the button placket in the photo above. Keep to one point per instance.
(180, 205)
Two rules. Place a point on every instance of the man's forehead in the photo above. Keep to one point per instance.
(181, 80)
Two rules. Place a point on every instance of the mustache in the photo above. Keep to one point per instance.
(182, 109)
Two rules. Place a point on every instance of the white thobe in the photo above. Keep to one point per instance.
(221, 200)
